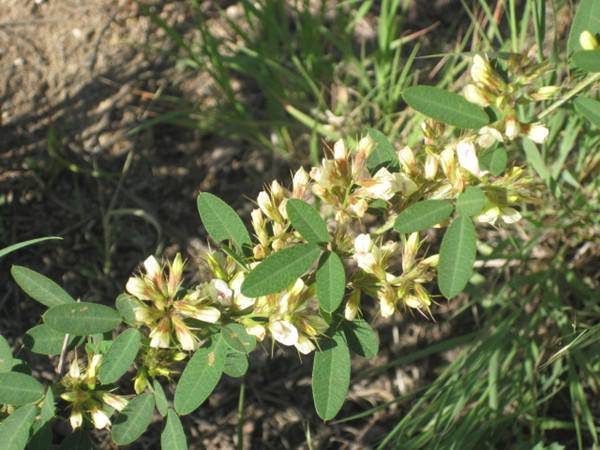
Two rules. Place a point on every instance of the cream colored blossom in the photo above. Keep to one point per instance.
(467, 157)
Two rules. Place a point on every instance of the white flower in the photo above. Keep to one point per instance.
(363, 243)
(114, 401)
(264, 203)
(488, 136)
(510, 215)
(223, 293)
(381, 186)
(511, 128)
(538, 133)
(475, 95)
(240, 300)
(304, 345)
(299, 183)
(467, 157)
(76, 418)
(284, 332)
(152, 267)
(100, 419)
(339, 150)
(480, 70)
(386, 306)
(74, 371)
(257, 331)
(407, 158)
(137, 287)
(431, 166)
(366, 145)
(490, 215)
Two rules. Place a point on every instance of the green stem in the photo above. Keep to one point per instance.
(240, 425)
(573, 92)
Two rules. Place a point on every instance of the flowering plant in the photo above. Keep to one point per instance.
(354, 230)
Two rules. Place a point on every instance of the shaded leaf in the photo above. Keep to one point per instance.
(173, 436)
(279, 270)
(125, 304)
(19, 389)
(237, 338)
(200, 376)
(82, 319)
(588, 60)
(331, 282)
(423, 215)
(45, 340)
(14, 430)
(236, 365)
(457, 255)
(135, 418)
(331, 376)
(445, 106)
(361, 338)
(221, 221)
(120, 356)
(78, 440)
(494, 160)
(39, 287)
(162, 404)
(588, 108)
(587, 17)
(6, 358)
(384, 153)
(307, 221)
(470, 202)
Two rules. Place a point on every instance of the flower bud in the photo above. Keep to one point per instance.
(365, 146)
(175, 274)
(76, 418)
(431, 166)
(512, 128)
(409, 251)
(339, 150)
(488, 136)
(545, 92)
(588, 41)
(352, 305)
(538, 133)
(407, 159)
(476, 95)
(387, 301)
(140, 382)
(480, 70)
(467, 157)
(305, 345)
(447, 161)
(152, 267)
(284, 332)
(114, 401)
(100, 419)
(300, 182)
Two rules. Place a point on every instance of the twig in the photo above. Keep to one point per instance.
(63, 352)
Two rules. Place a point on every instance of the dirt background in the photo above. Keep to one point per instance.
(77, 79)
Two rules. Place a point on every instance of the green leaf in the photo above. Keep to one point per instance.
(173, 436)
(19, 245)
(200, 376)
(587, 17)
(221, 221)
(82, 319)
(470, 202)
(423, 215)
(14, 430)
(162, 404)
(45, 340)
(6, 357)
(331, 282)
(41, 438)
(588, 60)
(131, 423)
(361, 338)
(279, 270)
(78, 440)
(457, 255)
(39, 287)
(445, 106)
(535, 159)
(307, 221)
(588, 108)
(120, 356)
(126, 306)
(494, 160)
(331, 376)
(236, 365)
(19, 389)
(384, 153)
(237, 338)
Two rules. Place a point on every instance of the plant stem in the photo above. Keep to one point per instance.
(240, 425)
(576, 90)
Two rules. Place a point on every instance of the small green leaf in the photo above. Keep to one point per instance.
(120, 356)
(588, 60)
(221, 221)
(162, 404)
(470, 202)
(587, 17)
(126, 306)
(6, 357)
(237, 338)
(131, 423)
(457, 255)
(14, 430)
(19, 245)
(236, 365)
(494, 160)
(535, 159)
(589, 109)
(41, 438)
(331, 376)
(200, 376)
(280, 270)
(173, 436)
(331, 282)
(445, 106)
(78, 440)
(361, 338)
(307, 221)
(384, 153)
(82, 319)
(19, 389)
(45, 340)
(423, 215)
(39, 287)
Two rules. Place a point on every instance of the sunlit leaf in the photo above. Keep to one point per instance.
(221, 221)
(82, 319)
(236, 365)
(237, 338)
(587, 17)
(135, 418)
(331, 281)
(19, 389)
(588, 108)
(162, 404)
(457, 255)
(39, 287)
(423, 215)
(470, 202)
(307, 221)
(120, 356)
(361, 338)
(279, 270)
(6, 357)
(494, 160)
(45, 340)
(14, 430)
(173, 436)
(588, 60)
(383, 155)
(445, 106)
